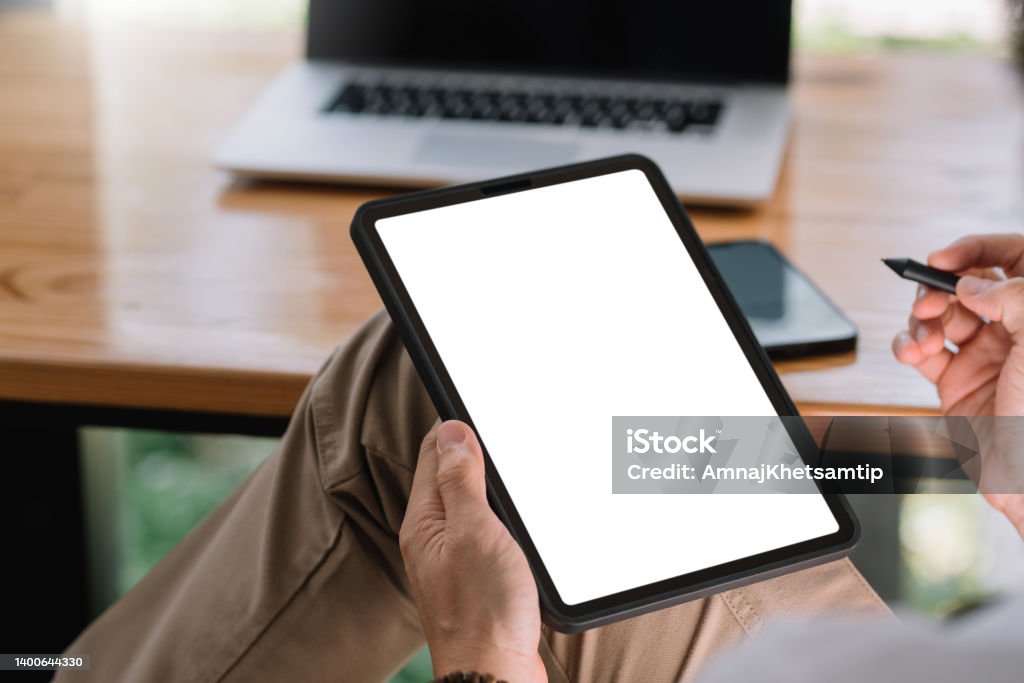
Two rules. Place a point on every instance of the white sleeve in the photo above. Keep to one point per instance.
(987, 647)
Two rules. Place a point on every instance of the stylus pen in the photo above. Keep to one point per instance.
(909, 269)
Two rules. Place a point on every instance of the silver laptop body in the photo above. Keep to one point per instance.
(351, 113)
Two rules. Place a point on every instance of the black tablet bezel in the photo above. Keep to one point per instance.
(642, 599)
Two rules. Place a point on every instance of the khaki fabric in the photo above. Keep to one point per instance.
(298, 576)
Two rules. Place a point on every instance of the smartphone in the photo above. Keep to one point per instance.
(790, 316)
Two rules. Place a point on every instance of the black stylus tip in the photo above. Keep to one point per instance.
(898, 265)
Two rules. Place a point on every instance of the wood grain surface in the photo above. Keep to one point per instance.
(132, 273)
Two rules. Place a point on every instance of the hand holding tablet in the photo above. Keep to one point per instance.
(571, 296)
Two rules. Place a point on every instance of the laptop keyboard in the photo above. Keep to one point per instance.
(674, 115)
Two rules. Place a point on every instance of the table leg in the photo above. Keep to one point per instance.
(45, 588)
(877, 556)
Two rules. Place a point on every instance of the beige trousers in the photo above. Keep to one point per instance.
(298, 577)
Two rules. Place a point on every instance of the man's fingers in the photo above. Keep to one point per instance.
(928, 334)
(934, 366)
(909, 352)
(1000, 301)
(930, 303)
(906, 349)
(424, 500)
(982, 251)
(959, 324)
(460, 472)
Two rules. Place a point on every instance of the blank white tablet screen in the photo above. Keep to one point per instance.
(554, 309)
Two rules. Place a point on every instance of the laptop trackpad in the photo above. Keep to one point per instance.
(452, 149)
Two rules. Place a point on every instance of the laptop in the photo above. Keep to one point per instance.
(420, 93)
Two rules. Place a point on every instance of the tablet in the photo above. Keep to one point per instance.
(537, 308)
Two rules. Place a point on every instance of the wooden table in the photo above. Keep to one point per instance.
(132, 273)
(140, 286)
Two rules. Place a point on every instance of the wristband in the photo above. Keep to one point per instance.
(467, 677)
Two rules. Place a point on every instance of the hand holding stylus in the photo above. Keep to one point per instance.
(984, 321)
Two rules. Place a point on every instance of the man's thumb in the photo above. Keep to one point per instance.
(460, 470)
(998, 300)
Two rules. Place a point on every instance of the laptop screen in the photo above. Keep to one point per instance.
(715, 40)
